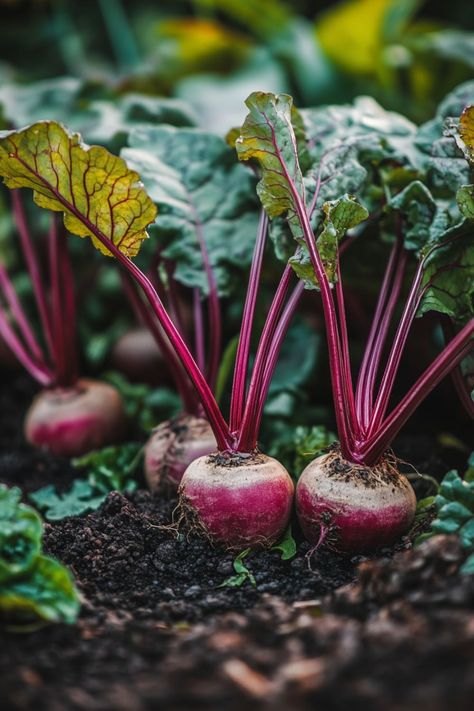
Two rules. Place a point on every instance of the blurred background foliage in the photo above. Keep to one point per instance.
(104, 67)
(406, 53)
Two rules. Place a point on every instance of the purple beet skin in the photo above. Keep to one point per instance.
(240, 502)
(355, 508)
(172, 447)
(70, 422)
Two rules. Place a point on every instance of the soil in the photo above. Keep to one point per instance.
(158, 630)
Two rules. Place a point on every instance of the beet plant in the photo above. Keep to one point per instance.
(204, 233)
(71, 415)
(237, 495)
(354, 495)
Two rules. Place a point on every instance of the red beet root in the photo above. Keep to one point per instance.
(172, 447)
(72, 421)
(357, 508)
(136, 355)
(239, 500)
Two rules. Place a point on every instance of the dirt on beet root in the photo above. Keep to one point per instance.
(159, 631)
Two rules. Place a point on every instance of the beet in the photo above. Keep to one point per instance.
(354, 507)
(72, 421)
(239, 500)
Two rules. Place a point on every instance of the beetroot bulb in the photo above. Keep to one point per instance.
(77, 419)
(172, 446)
(70, 416)
(351, 506)
(243, 500)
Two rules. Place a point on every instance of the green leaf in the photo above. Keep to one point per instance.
(143, 404)
(425, 505)
(47, 594)
(297, 360)
(75, 103)
(449, 276)
(465, 201)
(287, 545)
(455, 511)
(80, 498)
(203, 196)
(112, 468)
(304, 445)
(468, 566)
(32, 586)
(439, 143)
(20, 535)
(340, 216)
(268, 136)
(242, 575)
(95, 190)
(109, 469)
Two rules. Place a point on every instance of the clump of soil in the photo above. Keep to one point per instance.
(127, 555)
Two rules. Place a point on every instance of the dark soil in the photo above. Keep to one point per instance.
(157, 631)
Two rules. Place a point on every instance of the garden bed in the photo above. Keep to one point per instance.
(157, 629)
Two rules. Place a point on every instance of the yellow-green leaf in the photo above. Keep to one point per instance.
(466, 130)
(98, 194)
(268, 136)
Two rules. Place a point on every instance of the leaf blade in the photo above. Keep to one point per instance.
(95, 190)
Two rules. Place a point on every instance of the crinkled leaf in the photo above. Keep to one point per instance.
(375, 135)
(268, 136)
(20, 535)
(419, 208)
(47, 594)
(203, 195)
(32, 587)
(81, 498)
(112, 468)
(465, 200)
(455, 511)
(109, 469)
(287, 545)
(339, 216)
(449, 276)
(443, 162)
(96, 191)
(466, 131)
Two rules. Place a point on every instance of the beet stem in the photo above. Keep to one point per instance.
(446, 361)
(33, 267)
(243, 349)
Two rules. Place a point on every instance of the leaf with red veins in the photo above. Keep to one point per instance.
(98, 194)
